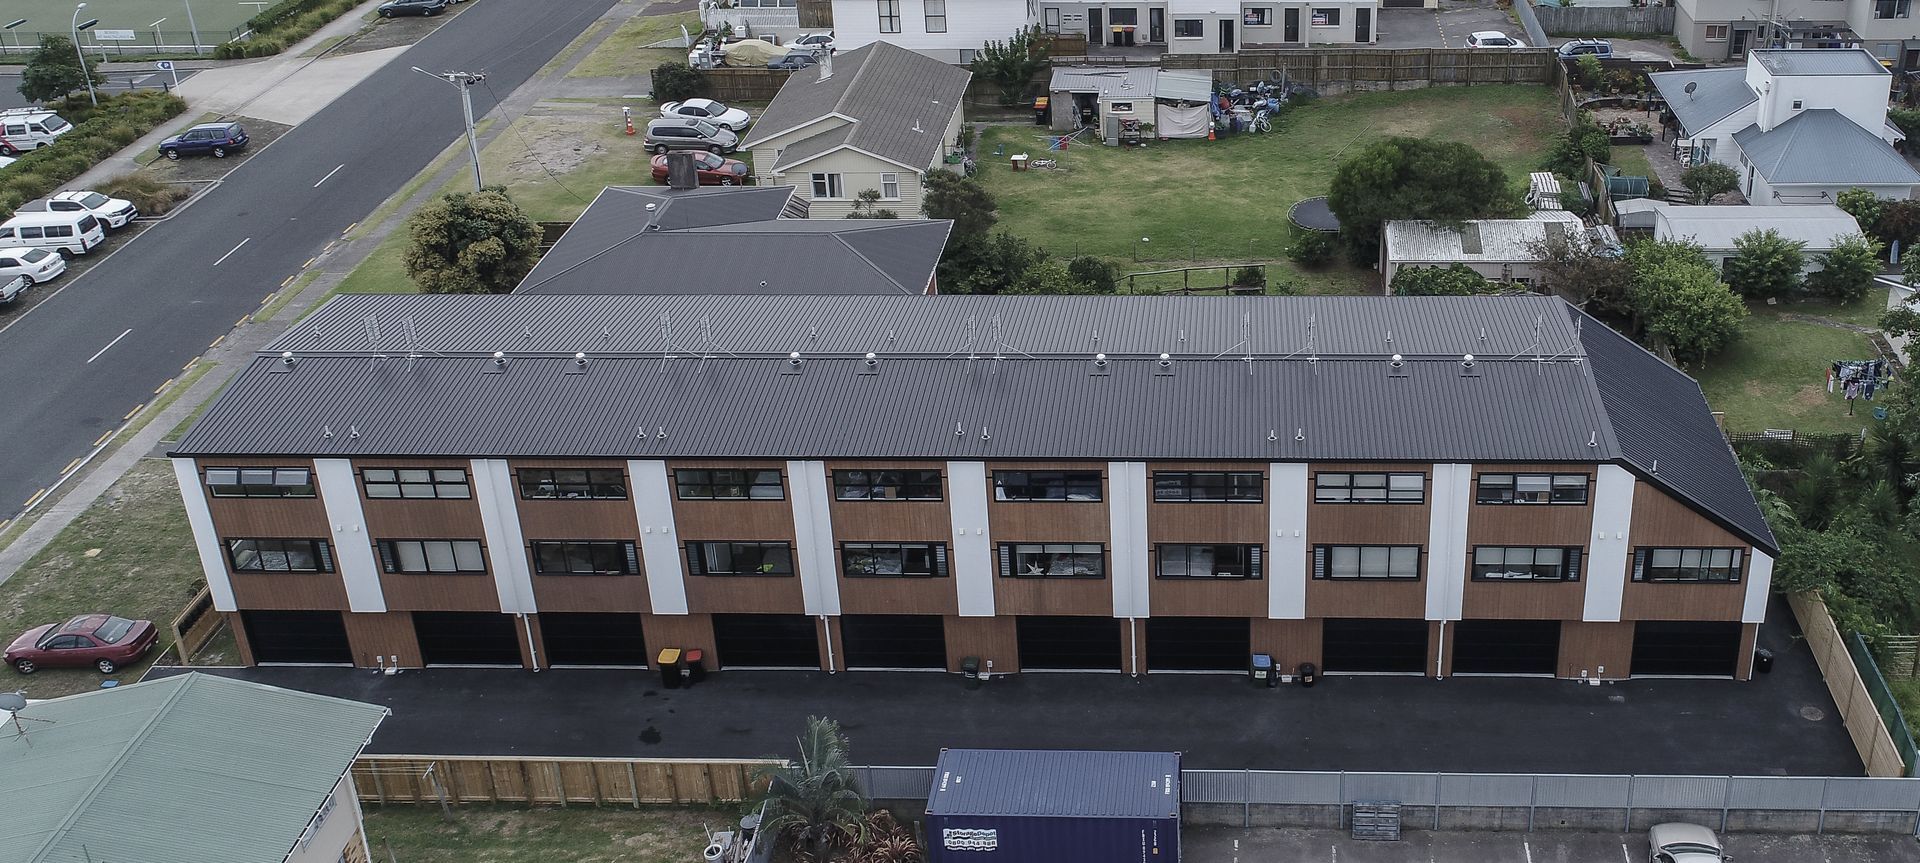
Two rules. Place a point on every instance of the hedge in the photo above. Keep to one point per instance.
(97, 134)
(292, 21)
(285, 10)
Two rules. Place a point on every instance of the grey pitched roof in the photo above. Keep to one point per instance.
(1108, 81)
(1715, 227)
(807, 148)
(968, 377)
(1821, 146)
(1716, 95)
(1819, 61)
(194, 767)
(885, 90)
(731, 241)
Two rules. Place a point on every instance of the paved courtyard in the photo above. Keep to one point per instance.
(1232, 845)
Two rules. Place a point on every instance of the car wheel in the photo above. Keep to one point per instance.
(660, 149)
(219, 152)
(30, 280)
(24, 666)
(386, 13)
(714, 149)
(106, 666)
(9, 150)
(172, 155)
(726, 181)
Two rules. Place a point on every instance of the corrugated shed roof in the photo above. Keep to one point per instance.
(1717, 94)
(1717, 226)
(1183, 85)
(1056, 784)
(1818, 61)
(1479, 241)
(194, 767)
(1108, 81)
(1821, 146)
(900, 100)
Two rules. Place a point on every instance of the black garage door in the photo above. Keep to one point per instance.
(1069, 642)
(593, 639)
(766, 640)
(894, 640)
(1685, 647)
(466, 638)
(1506, 646)
(1198, 643)
(1374, 645)
(297, 636)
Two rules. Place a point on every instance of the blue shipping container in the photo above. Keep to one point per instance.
(1044, 806)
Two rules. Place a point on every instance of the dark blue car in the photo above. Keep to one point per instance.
(216, 139)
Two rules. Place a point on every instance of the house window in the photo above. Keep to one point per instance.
(410, 482)
(706, 484)
(279, 555)
(1507, 563)
(1326, 17)
(1053, 560)
(431, 555)
(260, 481)
(936, 16)
(572, 484)
(889, 16)
(1716, 33)
(1124, 17)
(1207, 561)
(1369, 488)
(1366, 561)
(574, 557)
(1887, 50)
(893, 559)
(889, 187)
(1532, 488)
(739, 558)
(1121, 108)
(1046, 485)
(1796, 104)
(826, 186)
(1259, 16)
(1207, 487)
(886, 485)
(1892, 8)
(1188, 28)
(1712, 565)
(968, 55)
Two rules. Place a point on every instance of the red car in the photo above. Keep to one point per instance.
(100, 640)
(714, 169)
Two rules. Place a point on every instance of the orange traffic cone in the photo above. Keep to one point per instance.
(629, 125)
(1209, 130)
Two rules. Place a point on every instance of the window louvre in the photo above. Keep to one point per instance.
(740, 558)
(1077, 486)
(893, 560)
(1208, 487)
(431, 556)
(416, 483)
(709, 484)
(260, 481)
(1369, 488)
(1532, 488)
(1688, 565)
(887, 485)
(1053, 560)
(279, 555)
(1366, 562)
(578, 557)
(1525, 563)
(572, 484)
(1202, 561)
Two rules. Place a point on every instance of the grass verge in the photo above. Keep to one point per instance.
(625, 53)
(417, 834)
(1775, 375)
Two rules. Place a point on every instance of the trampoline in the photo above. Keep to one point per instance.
(1313, 214)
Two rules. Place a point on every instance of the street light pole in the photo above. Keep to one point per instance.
(464, 81)
(75, 27)
(15, 37)
(194, 27)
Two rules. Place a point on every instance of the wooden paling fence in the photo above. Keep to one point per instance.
(552, 781)
(1362, 68)
(196, 625)
(1871, 737)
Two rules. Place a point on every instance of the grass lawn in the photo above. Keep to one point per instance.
(625, 54)
(1632, 161)
(486, 834)
(1775, 376)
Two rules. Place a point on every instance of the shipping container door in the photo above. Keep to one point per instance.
(1506, 646)
(593, 639)
(1198, 643)
(894, 640)
(1069, 643)
(1707, 647)
(466, 638)
(307, 637)
(766, 640)
(1374, 645)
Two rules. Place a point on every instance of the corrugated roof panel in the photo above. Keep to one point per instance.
(1717, 93)
(1056, 783)
(1821, 146)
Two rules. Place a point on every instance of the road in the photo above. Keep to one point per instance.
(82, 360)
(117, 82)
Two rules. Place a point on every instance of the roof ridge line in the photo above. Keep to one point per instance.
(73, 815)
(869, 262)
(853, 82)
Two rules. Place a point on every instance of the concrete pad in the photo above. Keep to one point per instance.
(308, 89)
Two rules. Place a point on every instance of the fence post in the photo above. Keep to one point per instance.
(1533, 800)
(1629, 826)
(1343, 800)
(1246, 798)
(1726, 805)
(1437, 777)
(1820, 826)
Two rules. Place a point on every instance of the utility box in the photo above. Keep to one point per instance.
(1047, 806)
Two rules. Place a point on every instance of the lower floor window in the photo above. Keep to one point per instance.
(1053, 560)
(1366, 561)
(894, 559)
(1511, 563)
(432, 555)
(739, 558)
(1720, 565)
(826, 185)
(1208, 561)
(279, 555)
(1188, 28)
(1716, 33)
(586, 558)
(1326, 17)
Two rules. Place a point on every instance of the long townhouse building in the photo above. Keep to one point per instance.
(1422, 485)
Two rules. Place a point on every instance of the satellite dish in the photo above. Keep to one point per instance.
(1691, 86)
(12, 701)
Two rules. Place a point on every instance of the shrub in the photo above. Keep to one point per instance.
(1847, 271)
(1097, 274)
(153, 197)
(1310, 248)
(1249, 277)
(1588, 72)
(676, 82)
(99, 133)
(1457, 280)
(281, 25)
(1765, 265)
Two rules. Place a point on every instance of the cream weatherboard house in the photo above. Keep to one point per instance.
(954, 31)
(874, 118)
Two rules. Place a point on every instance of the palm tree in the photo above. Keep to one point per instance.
(815, 799)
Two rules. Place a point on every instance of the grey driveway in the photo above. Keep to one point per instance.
(1233, 845)
(1446, 28)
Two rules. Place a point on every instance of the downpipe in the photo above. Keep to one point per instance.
(532, 651)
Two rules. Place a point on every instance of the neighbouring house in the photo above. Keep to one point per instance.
(1207, 27)
(1718, 30)
(1503, 250)
(1170, 103)
(1799, 126)
(874, 118)
(1715, 228)
(193, 767)
(951, 31)
(774, 20)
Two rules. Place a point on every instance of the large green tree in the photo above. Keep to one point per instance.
(815, 800)
(54, 70)
(1709, 180)
(1765, 265)
(1595, 278)
(471, 243)
(1847, 270)
(1414, 178)
(1678, 297)
(1012, 64)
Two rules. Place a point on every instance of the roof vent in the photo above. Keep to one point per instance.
(286, 357)
(1100, 366)
(1469, 368)
(870, 365)
(580, 359)
(793, 364)
(1164, 366)
(285, 365)
(498, 365)
(1397, 367)
(579, 366)
(651, 206)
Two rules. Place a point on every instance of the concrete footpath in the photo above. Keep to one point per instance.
(1232, 845)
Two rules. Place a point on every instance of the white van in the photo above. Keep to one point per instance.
(69, 232)
(23, 129)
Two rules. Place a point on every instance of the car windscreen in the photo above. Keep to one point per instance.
(706, 130)
(56, 125)
(93, 200)
(1679, 848)
(113, 630)
(89, 223)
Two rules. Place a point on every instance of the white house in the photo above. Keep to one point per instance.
(1502, 250)
(1715, 228)
(954, 31)
(1716, 30)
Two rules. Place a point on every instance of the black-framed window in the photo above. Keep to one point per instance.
(1053, 560)
(936, 16)
(431, 555)
(1526, 488)
(739, 558)
(889, 16)
(717, 484)
(887, 485)
(1366, 562)
(1073, 485)
(1188, 28)
(893, 559)
(279, 555)
(1208, 486)
(416, 482)
(573, 484)
(260, 481)
(1207, 561)
(1369, 488)
(1525, 563)
(585, 557)
(1688, 565)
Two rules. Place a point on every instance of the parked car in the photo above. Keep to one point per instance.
(23, 129)
(100, 640)
(15, 287)
(1493, 39)
(392, 8)
(687, 133)
(793, 60)
(115, 212)
(710, 111)
(67, 233)
(713, 170)
(818, 43)
(37, 266)
(1677, 842)
(215, 139)
(1598, 47)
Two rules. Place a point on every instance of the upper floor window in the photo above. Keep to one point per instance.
(1892, 8)
(889, 187)
(576, 557)
(279, 555)
(1366, 561)
(1053, 560)
(1369, 488)
(1532, 488)
(1188, 28)
(704, 484)
(893, 559)
(407, 482)
(573, 484)
(1712, 565)
(886, 485)
(936, 16)
(431, 555)
(1207, 561)
(260, 481)
(1207, 487)
(1046, 485)
(739, 558)
(1510, 563)
(889, 16)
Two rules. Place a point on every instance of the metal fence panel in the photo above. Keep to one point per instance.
(1884, 702)
(897, 783)
(1583, 792)
(1679, 792)
(1413, 788)
(1471, 789)
(1776, 792)
(1213, 786)
(1273, 786)
(1872, 795)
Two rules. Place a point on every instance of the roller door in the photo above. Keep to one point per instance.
(1708, 647)
(1506, 646)
(1198, 643)
(1374, 645)
(466, 638)
(592, 639)
(304, 637)
(766, 640)
(1069, 643)
(893, 640)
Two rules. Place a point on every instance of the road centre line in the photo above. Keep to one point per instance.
(116, 340)
(230, 252)
(328, 176)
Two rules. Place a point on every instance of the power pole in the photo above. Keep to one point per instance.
(464, 81)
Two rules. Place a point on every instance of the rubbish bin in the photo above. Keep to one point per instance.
(1041, 115)
(970, 666)
(1307, 673)
(1261, 668)
(669, 662)
(693, 666)
(1762, 660)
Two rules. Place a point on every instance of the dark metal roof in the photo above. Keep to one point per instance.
(1717, 93)
(1056, 784)
(900, 101)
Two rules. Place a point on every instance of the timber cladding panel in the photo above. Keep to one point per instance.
(591, 593)
(1402, 598)
(745, 594)
(554, 781)
(439, 592)
(419, 518)
(684, 631)
(1237, 522)
(1591, 647)
(1289, 642)
(890, 520)
(989, 638)
(1661, 521)
(1207, 597)
(383, 634)
(289, 591)
(1048, 521)
(898, 595)
(1564, 600)
(1531, 524)
(757, 520)
(1053, 596)
(284, 518)
(574, 519)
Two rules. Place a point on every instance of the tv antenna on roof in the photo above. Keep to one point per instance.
(14, 702)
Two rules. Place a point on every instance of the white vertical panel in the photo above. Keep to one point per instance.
(1127, 529)
(352, 548)
(808, 491)
(659, 542)
(1451, 491)
(1286, 560)
(506, 546)
(1759, 585)
(1609, 547)
(205, 539)
(973, 558)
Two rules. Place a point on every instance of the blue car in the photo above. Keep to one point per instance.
(215, 139)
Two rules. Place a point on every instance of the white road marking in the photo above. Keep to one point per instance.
(1625, 856)
(1528, 848)
(116, 340)
(328, 176)
(230, 252)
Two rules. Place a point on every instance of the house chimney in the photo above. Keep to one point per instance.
(826, 65)
(681, 173)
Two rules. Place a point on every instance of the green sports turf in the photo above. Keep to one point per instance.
(217, 20)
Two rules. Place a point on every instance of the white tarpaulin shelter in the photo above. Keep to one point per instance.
(752, 52)
(1183, 98)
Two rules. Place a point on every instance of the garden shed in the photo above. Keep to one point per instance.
(1088, 95)
(1050, 806)
(1183, 103)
